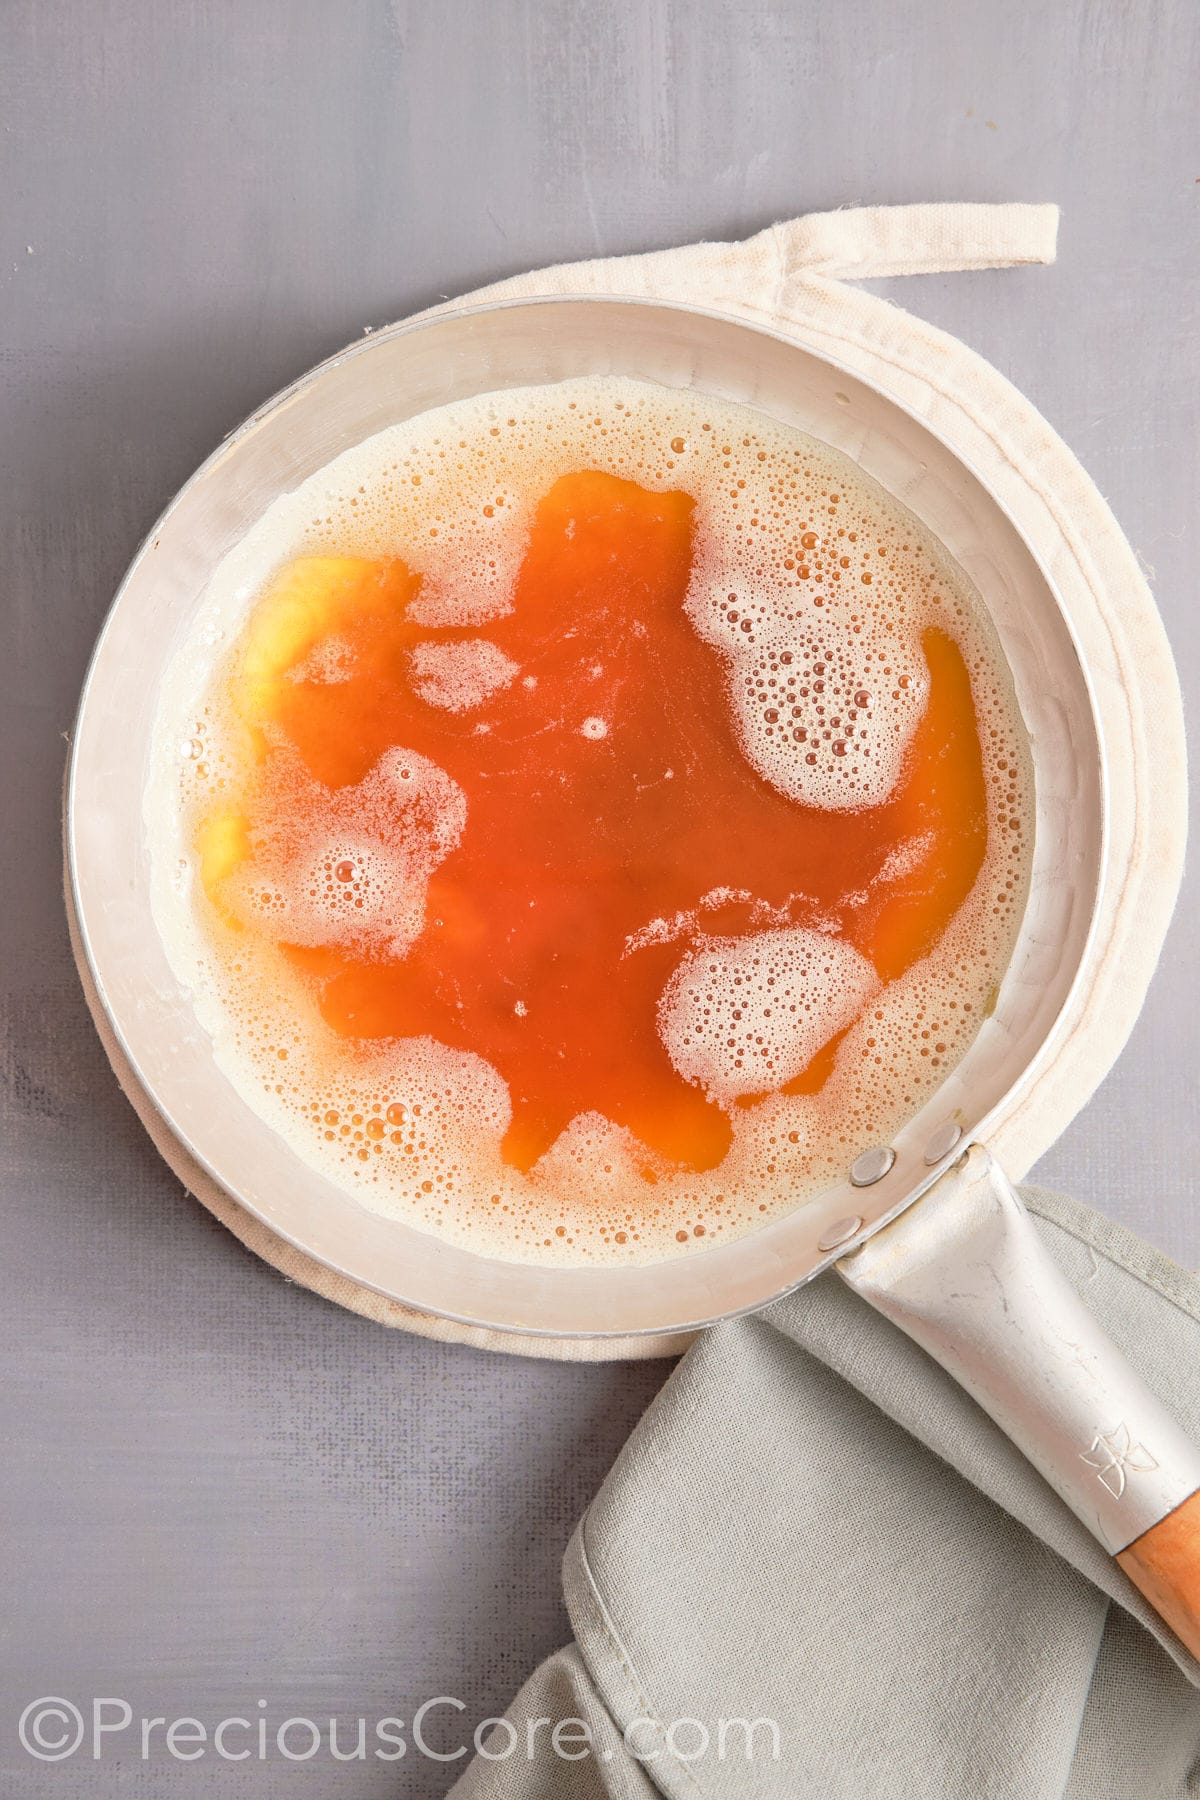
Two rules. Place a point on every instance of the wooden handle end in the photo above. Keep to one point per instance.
(1164, 1563)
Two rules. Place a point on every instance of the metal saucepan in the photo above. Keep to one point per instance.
(963, 1272)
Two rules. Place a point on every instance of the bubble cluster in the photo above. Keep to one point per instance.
(814, 587)
(350, 867)
(459, 676)
(825, 688)
(746, 1015)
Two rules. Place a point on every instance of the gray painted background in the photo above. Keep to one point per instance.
(216, 1488)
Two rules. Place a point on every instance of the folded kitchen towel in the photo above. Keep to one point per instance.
(818, 1569)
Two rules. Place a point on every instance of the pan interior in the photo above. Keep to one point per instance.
(401, 373)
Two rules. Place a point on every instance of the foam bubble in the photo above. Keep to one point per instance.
(826, 690)
(815, 588)
(330, 661)
(746, 1015)
(459, 676)
(350, 866)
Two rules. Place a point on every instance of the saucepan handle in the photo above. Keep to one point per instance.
(966, 1275)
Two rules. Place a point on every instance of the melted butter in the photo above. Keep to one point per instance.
(588, 891)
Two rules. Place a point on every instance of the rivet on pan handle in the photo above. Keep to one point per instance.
(964, 1273)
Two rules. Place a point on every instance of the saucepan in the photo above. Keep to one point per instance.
(925, 1227)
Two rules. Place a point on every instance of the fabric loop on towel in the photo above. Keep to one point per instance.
(871, 242)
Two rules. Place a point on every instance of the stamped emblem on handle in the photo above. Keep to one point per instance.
(1113, 1454)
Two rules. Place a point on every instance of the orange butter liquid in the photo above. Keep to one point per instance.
(504, 830)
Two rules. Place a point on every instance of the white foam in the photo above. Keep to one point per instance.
(832, 584)
(746, 1015)
(327, 663)
(827, 693)
(460, 676)
(350, 866)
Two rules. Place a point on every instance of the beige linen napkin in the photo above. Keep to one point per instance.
(793, 279)
(814, 1528)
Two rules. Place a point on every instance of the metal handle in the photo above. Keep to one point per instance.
(964, 1273)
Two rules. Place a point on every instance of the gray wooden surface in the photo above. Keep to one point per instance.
(216, 1489)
